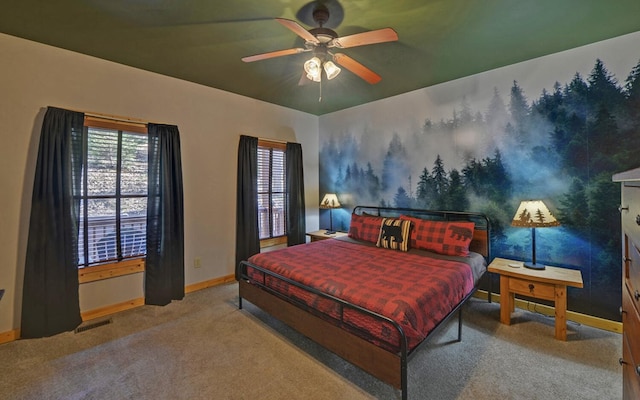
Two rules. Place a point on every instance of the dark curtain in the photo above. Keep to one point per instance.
(247, 235)
(50, 299)
(296, 226)
(164, 272)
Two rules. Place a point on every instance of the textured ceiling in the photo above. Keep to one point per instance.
(203, 41)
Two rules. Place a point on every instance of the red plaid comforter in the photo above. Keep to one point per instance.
(414, 290)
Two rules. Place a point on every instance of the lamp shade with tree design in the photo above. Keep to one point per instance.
(533, 214)
(330, 201)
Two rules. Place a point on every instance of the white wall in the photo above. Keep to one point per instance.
(34, 76)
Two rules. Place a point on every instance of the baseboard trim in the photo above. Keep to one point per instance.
(584, 319)
(111, 309)
(210, 283)
(127, 305)
(12, 335)
(9, 336)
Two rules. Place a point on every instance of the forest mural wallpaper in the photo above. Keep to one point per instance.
(554, 128)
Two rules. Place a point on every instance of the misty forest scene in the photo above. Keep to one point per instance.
(562, 147)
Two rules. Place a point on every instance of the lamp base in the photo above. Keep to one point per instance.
(534, 266)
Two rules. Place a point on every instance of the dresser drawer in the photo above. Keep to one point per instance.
(631, 216)
(630, 375)
(631, 323)
(632, 267)
(630, 347)
(538, 290)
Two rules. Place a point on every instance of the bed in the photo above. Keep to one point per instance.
(376, 296)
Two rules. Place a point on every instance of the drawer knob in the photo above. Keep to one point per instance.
(636, 295)
(622, 208)
(531, 287)
(621, 361)
(622, 311)
(638, 370)
(638, 219)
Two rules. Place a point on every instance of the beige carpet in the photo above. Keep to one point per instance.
(203, 347)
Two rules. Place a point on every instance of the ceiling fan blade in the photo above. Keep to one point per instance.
(298, 30)
(365, 38)
(357, 68)
(273, 54)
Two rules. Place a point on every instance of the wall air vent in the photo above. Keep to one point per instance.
(92, 325)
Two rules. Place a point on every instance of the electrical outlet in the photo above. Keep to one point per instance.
(197, 262)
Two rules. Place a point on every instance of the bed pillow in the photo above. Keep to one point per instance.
(445, 237)
(364, 227)
(394, 234)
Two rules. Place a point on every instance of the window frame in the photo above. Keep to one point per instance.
(281, 239)
(126, 266)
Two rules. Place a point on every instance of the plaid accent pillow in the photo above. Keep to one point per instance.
(365, 227)
(394, 234)
(445, 237)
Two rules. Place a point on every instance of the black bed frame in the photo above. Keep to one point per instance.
(390, 367)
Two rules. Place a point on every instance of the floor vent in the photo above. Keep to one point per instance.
(93, 325)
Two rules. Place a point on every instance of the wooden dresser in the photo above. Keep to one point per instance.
(630, 214)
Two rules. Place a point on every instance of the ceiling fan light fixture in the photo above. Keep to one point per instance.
(313, 68)
(315, 78)
(331, 69)
(322, 38)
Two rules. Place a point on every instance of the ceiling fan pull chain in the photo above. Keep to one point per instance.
(320, 98)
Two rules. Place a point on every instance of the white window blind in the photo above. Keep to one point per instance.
(113, 207)
(271, 192)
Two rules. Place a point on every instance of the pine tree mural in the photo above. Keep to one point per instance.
(574, 135)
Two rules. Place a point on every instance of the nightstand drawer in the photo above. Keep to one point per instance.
(530, 288)
(548, 284)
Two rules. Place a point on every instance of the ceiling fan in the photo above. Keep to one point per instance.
(321, 41)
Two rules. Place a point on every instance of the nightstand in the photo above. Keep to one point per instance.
(321, 235)
(548, 284)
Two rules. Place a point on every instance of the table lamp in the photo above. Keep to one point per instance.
(330, 201)
(533, 214)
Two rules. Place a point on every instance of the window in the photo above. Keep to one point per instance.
(113, 206)
(271, 192)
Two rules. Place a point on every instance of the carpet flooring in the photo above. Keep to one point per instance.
(204, 347)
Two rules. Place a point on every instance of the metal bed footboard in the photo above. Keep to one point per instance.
(253, 291)
(403, 345)
(404, 355)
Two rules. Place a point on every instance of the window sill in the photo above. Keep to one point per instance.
(273, 241)
(111, 270)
